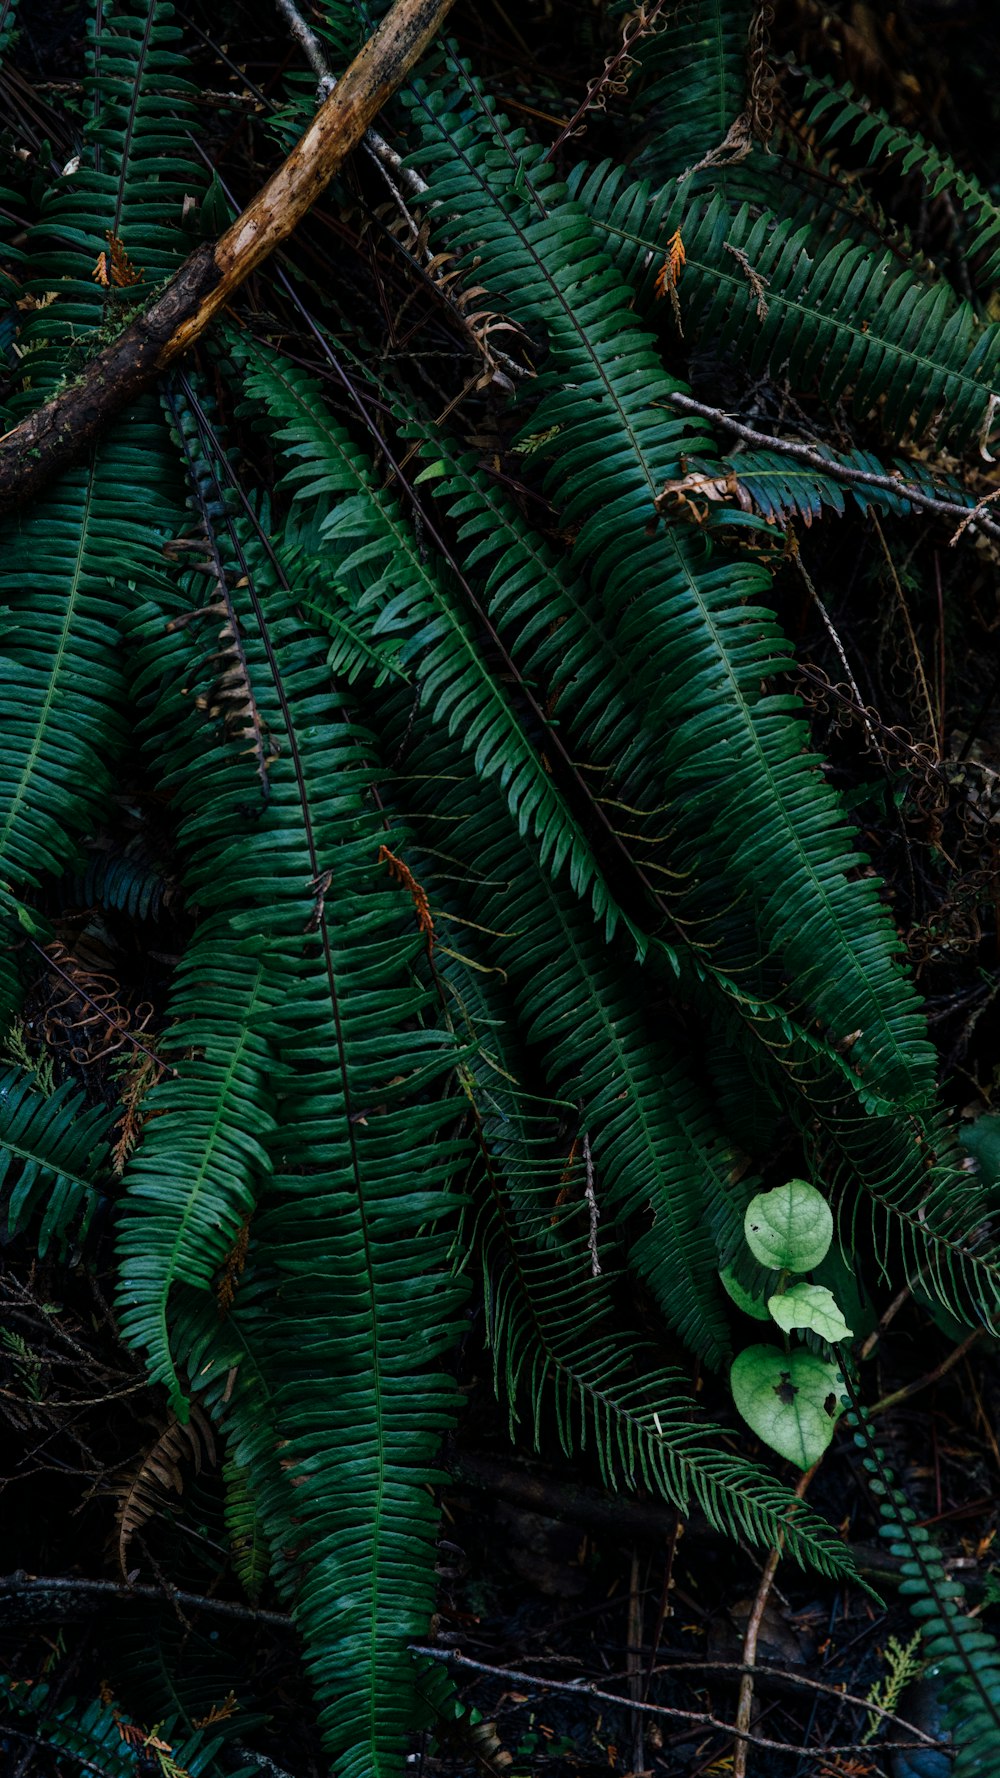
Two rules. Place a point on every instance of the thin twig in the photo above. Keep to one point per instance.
(745, 1701)
(614, 75)
(593, 1207)
(954, 1357)
(326, 80)
(698, 1718)
(840, 472)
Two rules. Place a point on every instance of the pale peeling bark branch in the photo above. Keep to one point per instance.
(56, 433)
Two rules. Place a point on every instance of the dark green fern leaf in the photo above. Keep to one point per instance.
(961, 1650)
(54, 1159)
(850, 322)
(685, 622)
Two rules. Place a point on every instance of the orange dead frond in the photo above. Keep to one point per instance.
(403, 874)
(218, 1712)
(114, 266)
(668, 276)
(232, 1271)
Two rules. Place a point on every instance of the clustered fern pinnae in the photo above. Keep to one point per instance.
(516, 919)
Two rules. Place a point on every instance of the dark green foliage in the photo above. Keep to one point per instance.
(54, 1159)
(96, 1735)
(447, 798)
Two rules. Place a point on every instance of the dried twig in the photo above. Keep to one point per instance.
(697, 1718)
(841, 472)
(745, 1701)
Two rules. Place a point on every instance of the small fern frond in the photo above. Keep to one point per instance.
(248, 1544)
(54, 1159)
(96, 1735)
(195, 1175)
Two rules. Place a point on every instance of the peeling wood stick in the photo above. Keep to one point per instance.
(63, 428)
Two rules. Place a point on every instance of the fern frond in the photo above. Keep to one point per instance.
(54, 1158)
(67, 570)
(837, 116)
(849, 323)
(686, 625)
(693, 79)
(365, 1154)
(98, 1736)
(403, 597)
(248, 1542)
(195, 1175)
(960, 1648)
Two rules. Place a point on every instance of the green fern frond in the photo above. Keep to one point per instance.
(685, 624)
(693, 79)
(196, 1173)
(365, 1154)
(850, 323)
(54, 1159)
(404, 598)
(961, 1651)
(838, 117)
(98, 1736)
(68, 570)
(779, 488)
(248, 1544)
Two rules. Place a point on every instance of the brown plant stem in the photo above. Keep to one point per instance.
(59, 431)
(745, 1701)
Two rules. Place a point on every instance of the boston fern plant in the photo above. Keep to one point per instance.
(428, 916)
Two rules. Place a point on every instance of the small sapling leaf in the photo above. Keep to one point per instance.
(790, 1228)
(810, 1306)
(789, 1399)
(745, 1299)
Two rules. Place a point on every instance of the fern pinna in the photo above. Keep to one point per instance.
(416, 741)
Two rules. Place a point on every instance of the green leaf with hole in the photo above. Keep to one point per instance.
(790, 1228)
(811, 1306)
(791, 1400)
(743, 1298)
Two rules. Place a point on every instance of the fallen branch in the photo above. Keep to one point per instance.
(60, 430)
(61, 1590)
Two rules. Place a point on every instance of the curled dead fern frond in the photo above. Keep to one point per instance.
(177, 1450)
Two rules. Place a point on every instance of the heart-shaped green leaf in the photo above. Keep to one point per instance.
(745, 1299)
(812, 1306)
(790, 1228)
(789, 1399)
